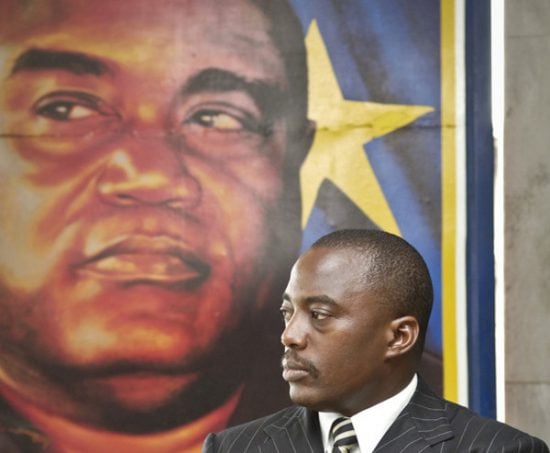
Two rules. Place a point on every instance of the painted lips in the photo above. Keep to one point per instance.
(146, 259)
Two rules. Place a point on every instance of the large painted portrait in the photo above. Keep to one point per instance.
(162, 163)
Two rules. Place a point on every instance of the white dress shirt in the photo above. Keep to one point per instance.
(371, 424)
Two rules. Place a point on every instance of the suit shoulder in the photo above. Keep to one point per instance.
(489, 432)
(461, 429)
(241, 437)
(277, 418)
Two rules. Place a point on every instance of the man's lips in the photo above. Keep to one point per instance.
(159, 259)
(294, 374)
(295, 369)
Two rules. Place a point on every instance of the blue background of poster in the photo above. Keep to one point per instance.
(389, 52)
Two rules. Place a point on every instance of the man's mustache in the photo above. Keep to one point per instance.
(291, 360)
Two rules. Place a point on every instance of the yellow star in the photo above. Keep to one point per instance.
(343, 127)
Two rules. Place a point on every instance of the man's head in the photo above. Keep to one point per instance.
(356, 310)
(149, 166)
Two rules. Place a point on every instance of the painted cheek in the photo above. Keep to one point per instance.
(237, 197)
(262, 178)
(38, 229)
(29, 257)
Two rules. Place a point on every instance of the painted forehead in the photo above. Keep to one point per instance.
(177, 18)
(179, 33)
(205, 20)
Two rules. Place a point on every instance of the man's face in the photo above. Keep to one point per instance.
(336, 334)
(140, 162)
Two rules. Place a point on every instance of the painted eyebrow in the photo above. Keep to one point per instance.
(269, 97)
(44, 59)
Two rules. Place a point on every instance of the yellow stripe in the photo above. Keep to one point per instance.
(448, 188)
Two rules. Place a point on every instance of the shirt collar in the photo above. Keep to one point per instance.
(372, 423)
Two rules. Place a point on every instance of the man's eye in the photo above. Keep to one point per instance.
(286, 314)
(319, 315)
(65, 111)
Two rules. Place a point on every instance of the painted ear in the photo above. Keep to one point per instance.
(307, 137)
(301, 140)
(311, 128)
(404, 335)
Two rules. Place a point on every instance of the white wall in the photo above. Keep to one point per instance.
(527, 215)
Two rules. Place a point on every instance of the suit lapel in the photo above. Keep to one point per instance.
(422, 424)
(299, 432)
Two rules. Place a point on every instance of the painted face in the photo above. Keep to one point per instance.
(140, 163)
(336, 334)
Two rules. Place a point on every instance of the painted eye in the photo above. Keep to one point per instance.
(220, 129)
(71, 106)
(221, 121)
(65, 111)
(217, 120)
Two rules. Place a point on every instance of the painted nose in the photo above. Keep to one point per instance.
(146, 171)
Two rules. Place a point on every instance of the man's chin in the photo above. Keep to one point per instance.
(303, 396)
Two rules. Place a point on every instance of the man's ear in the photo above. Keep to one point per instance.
(404, 336)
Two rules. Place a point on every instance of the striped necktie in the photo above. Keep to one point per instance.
(343, 435)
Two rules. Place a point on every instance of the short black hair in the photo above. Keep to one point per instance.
(392, 268)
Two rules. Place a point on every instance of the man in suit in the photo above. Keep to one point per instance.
(355, 311)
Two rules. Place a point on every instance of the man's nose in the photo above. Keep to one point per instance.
(294, 335)
(143, 170)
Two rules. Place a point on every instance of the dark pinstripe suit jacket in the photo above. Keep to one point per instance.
(427, 424)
